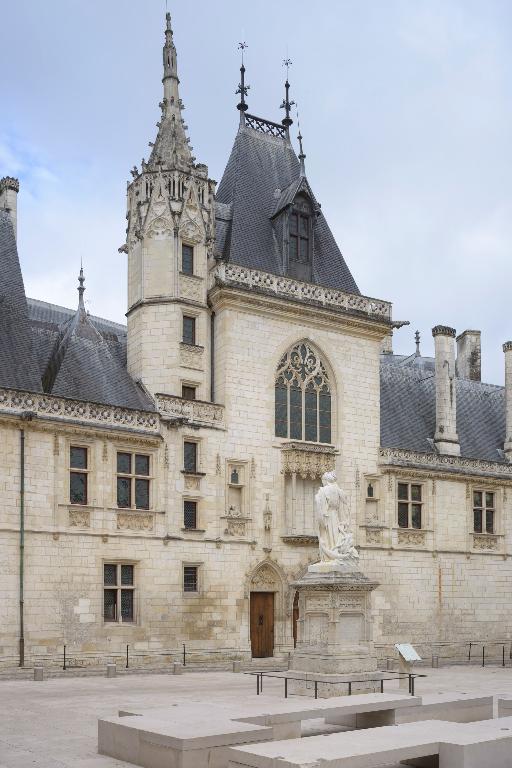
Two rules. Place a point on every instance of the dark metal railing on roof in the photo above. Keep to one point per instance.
(265, 126)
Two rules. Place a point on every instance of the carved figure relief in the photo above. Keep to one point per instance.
(127, 521)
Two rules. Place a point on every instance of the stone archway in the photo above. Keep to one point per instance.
(265, 591)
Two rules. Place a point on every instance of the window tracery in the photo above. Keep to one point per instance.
(302, 396)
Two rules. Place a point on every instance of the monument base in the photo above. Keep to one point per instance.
(334, 629)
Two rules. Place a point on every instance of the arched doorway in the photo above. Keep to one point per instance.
(265, 586)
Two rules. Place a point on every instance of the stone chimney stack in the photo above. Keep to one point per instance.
(469, 364)
(9, 189)
(507, 349)
(446, 439)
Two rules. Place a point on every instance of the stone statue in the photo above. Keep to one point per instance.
(336, 543)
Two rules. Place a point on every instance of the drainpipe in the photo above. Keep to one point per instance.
(212, 358)
(22, 544)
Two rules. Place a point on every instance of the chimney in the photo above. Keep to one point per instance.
(446, 439)
(9, 189)
(507, 349)
(469, 356)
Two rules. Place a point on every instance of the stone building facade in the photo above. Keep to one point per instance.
(157, 479)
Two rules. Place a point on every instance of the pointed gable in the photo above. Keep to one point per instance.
(261, 180)
(18, 362)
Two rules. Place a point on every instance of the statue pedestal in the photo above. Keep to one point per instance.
(334, 629)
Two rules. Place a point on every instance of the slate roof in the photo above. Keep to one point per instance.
(84, 358)
(18, 361)
(408, 410)
(261, 175)
(65, 352)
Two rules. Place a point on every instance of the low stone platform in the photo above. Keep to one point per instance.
(429, 744)
(191, 736)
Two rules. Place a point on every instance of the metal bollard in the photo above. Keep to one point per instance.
(435, 662)
(177, 668)
(111, 670)
(237, 666)
(38, 673)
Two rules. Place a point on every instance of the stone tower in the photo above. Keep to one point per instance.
(170, 235)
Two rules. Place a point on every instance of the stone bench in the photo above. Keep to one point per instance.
(187, 742)
(188, 735)
(504, 702)
(455, 707)
(424, 743)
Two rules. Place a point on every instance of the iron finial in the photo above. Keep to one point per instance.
(287, 104)
(302, 156)
(417, 340)
(242, 88)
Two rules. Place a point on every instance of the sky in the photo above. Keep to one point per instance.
(405, 108)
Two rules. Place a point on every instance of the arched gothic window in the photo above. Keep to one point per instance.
(303, 396)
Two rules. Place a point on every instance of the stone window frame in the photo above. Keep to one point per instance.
(189, 316)
(152, 477)
(199, 578)
(91, 466)
(197, 501)
(198, 441)
(409, 481)
(327, 372)
(497, 494)
(118, 562)
(186, 244)
(189, 383)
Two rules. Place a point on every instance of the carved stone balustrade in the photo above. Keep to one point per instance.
(16, 402)
(194, 411)
(307, 293)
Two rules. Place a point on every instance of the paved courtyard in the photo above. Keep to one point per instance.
(52, 724)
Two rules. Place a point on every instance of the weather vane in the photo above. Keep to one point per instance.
(287, 63)
(241, 47)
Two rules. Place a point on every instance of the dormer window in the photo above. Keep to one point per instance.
(299, 240)
(299, 237)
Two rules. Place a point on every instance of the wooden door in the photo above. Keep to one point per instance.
(262, 624)
(295, 618)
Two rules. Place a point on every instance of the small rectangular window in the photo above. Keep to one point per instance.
(133, 480)
(188, 392)
(118, 592)
(410, 502)
(187, 259)
(189, 330)
(189, 514)
(483, 511)
(78, 475)
(190, 457)
(190, 581)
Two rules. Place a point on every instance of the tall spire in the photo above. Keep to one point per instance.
(171, 146)
(242, 88)
(287, 104)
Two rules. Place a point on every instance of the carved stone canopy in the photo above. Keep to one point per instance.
(307, 460)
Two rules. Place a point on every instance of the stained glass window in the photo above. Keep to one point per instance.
(302, 396)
